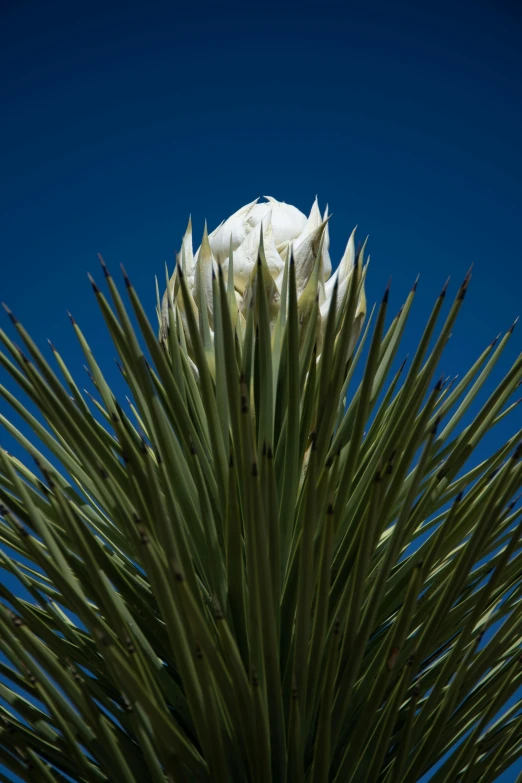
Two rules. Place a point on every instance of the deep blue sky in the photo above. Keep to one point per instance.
(118, 120)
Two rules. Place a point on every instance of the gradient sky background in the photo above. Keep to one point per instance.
(118, 120)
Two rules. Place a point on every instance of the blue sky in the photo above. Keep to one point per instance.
(118, 120)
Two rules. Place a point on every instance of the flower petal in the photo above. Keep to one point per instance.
(314, 218)
(203, 284)
(343, 270)
(273, 297)
(188, 256)
(344, 273)
(327, 262)
(235, 228)
(245, 256)
(288, 222)
(306, 248)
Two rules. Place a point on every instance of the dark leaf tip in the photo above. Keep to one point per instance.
(464, 287)
(104, 266)
(9, 312)
(125, 276)
(94, 286)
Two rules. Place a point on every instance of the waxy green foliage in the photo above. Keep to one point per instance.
(279, 566)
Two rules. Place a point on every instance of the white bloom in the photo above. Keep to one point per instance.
(245, 255)
(287, 224)
(284, 227)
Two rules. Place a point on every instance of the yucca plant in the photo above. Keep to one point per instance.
(281, 564)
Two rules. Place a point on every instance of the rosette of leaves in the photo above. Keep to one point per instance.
(282, 563)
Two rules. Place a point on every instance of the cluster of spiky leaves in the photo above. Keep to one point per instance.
(268, 571)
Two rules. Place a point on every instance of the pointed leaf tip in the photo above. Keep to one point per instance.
(464, 287)
(104, 266)
(386, 295)
(9, 312)
(125, 276)
(94, 286)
